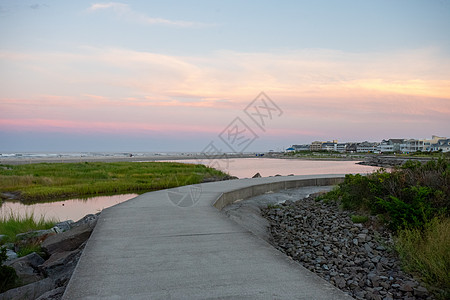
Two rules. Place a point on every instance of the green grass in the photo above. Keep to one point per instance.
(427, 253)
(359, 219)
(13, 224)
(30, 248)
(51, 181)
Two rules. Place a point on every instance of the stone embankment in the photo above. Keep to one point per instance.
(390, 161)
(46, 276)
(356, 258)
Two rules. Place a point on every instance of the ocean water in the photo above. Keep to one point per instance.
(75, 209)
(25, 156)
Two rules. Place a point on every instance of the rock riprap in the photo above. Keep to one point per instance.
(355, 258)
(46, 279)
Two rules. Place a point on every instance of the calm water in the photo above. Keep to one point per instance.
(247, 167)
(75, 209)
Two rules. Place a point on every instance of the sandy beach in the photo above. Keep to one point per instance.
(16, 160)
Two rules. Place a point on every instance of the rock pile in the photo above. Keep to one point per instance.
(47, 278)
(389, 161)
(355, 258)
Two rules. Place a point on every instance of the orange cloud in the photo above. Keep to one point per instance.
(120, 89)
(92, 126)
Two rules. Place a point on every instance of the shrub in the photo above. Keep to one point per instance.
(410, 195)
(8, 276)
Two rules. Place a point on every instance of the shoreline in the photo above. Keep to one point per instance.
(362, 159)
(137, 158)
(155, 158)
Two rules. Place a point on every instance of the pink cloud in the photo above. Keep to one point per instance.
(318, 90)
(111, 127)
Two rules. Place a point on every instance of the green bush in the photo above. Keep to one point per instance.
(414, 201)
(8, 276)
(410, 195)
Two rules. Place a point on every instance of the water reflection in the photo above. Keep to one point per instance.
(247, 167)
(73, 209)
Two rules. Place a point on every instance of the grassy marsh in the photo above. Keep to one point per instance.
(51, 181)
(13, 224)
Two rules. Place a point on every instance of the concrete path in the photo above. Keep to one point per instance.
(150, 248)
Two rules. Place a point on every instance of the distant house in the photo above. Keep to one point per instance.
(391, 145)
(329, 146)
(351, 147)
(411, 145)
(426, 145)
(396, 144)
(316, 146)
(385, 146)
(442, 145)
(341, 147)
(432, 144)
(290, 149)
(366, 147)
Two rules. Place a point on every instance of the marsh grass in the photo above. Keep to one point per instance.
(13, 224)
(359, 219)
(427, 252)
(49, 181)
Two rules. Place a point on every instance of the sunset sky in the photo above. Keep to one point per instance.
(175, 75)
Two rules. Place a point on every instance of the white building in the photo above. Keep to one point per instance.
(341, 147)
(366, 147)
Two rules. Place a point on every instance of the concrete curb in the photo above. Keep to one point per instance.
(228, 198)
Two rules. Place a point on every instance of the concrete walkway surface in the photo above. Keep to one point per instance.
(150, 248)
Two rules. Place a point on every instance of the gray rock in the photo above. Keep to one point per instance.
(34, 237)
(257, 175)
(360, 294)
(60, 263)
(368, 248)
(29, 291)
(69, 240)
(421, 292)
(27, 268)
(64, 226)
(11, 255)
(88, 219)
(327, 242)
(55, 294)
(362, 237)
(407, 287)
